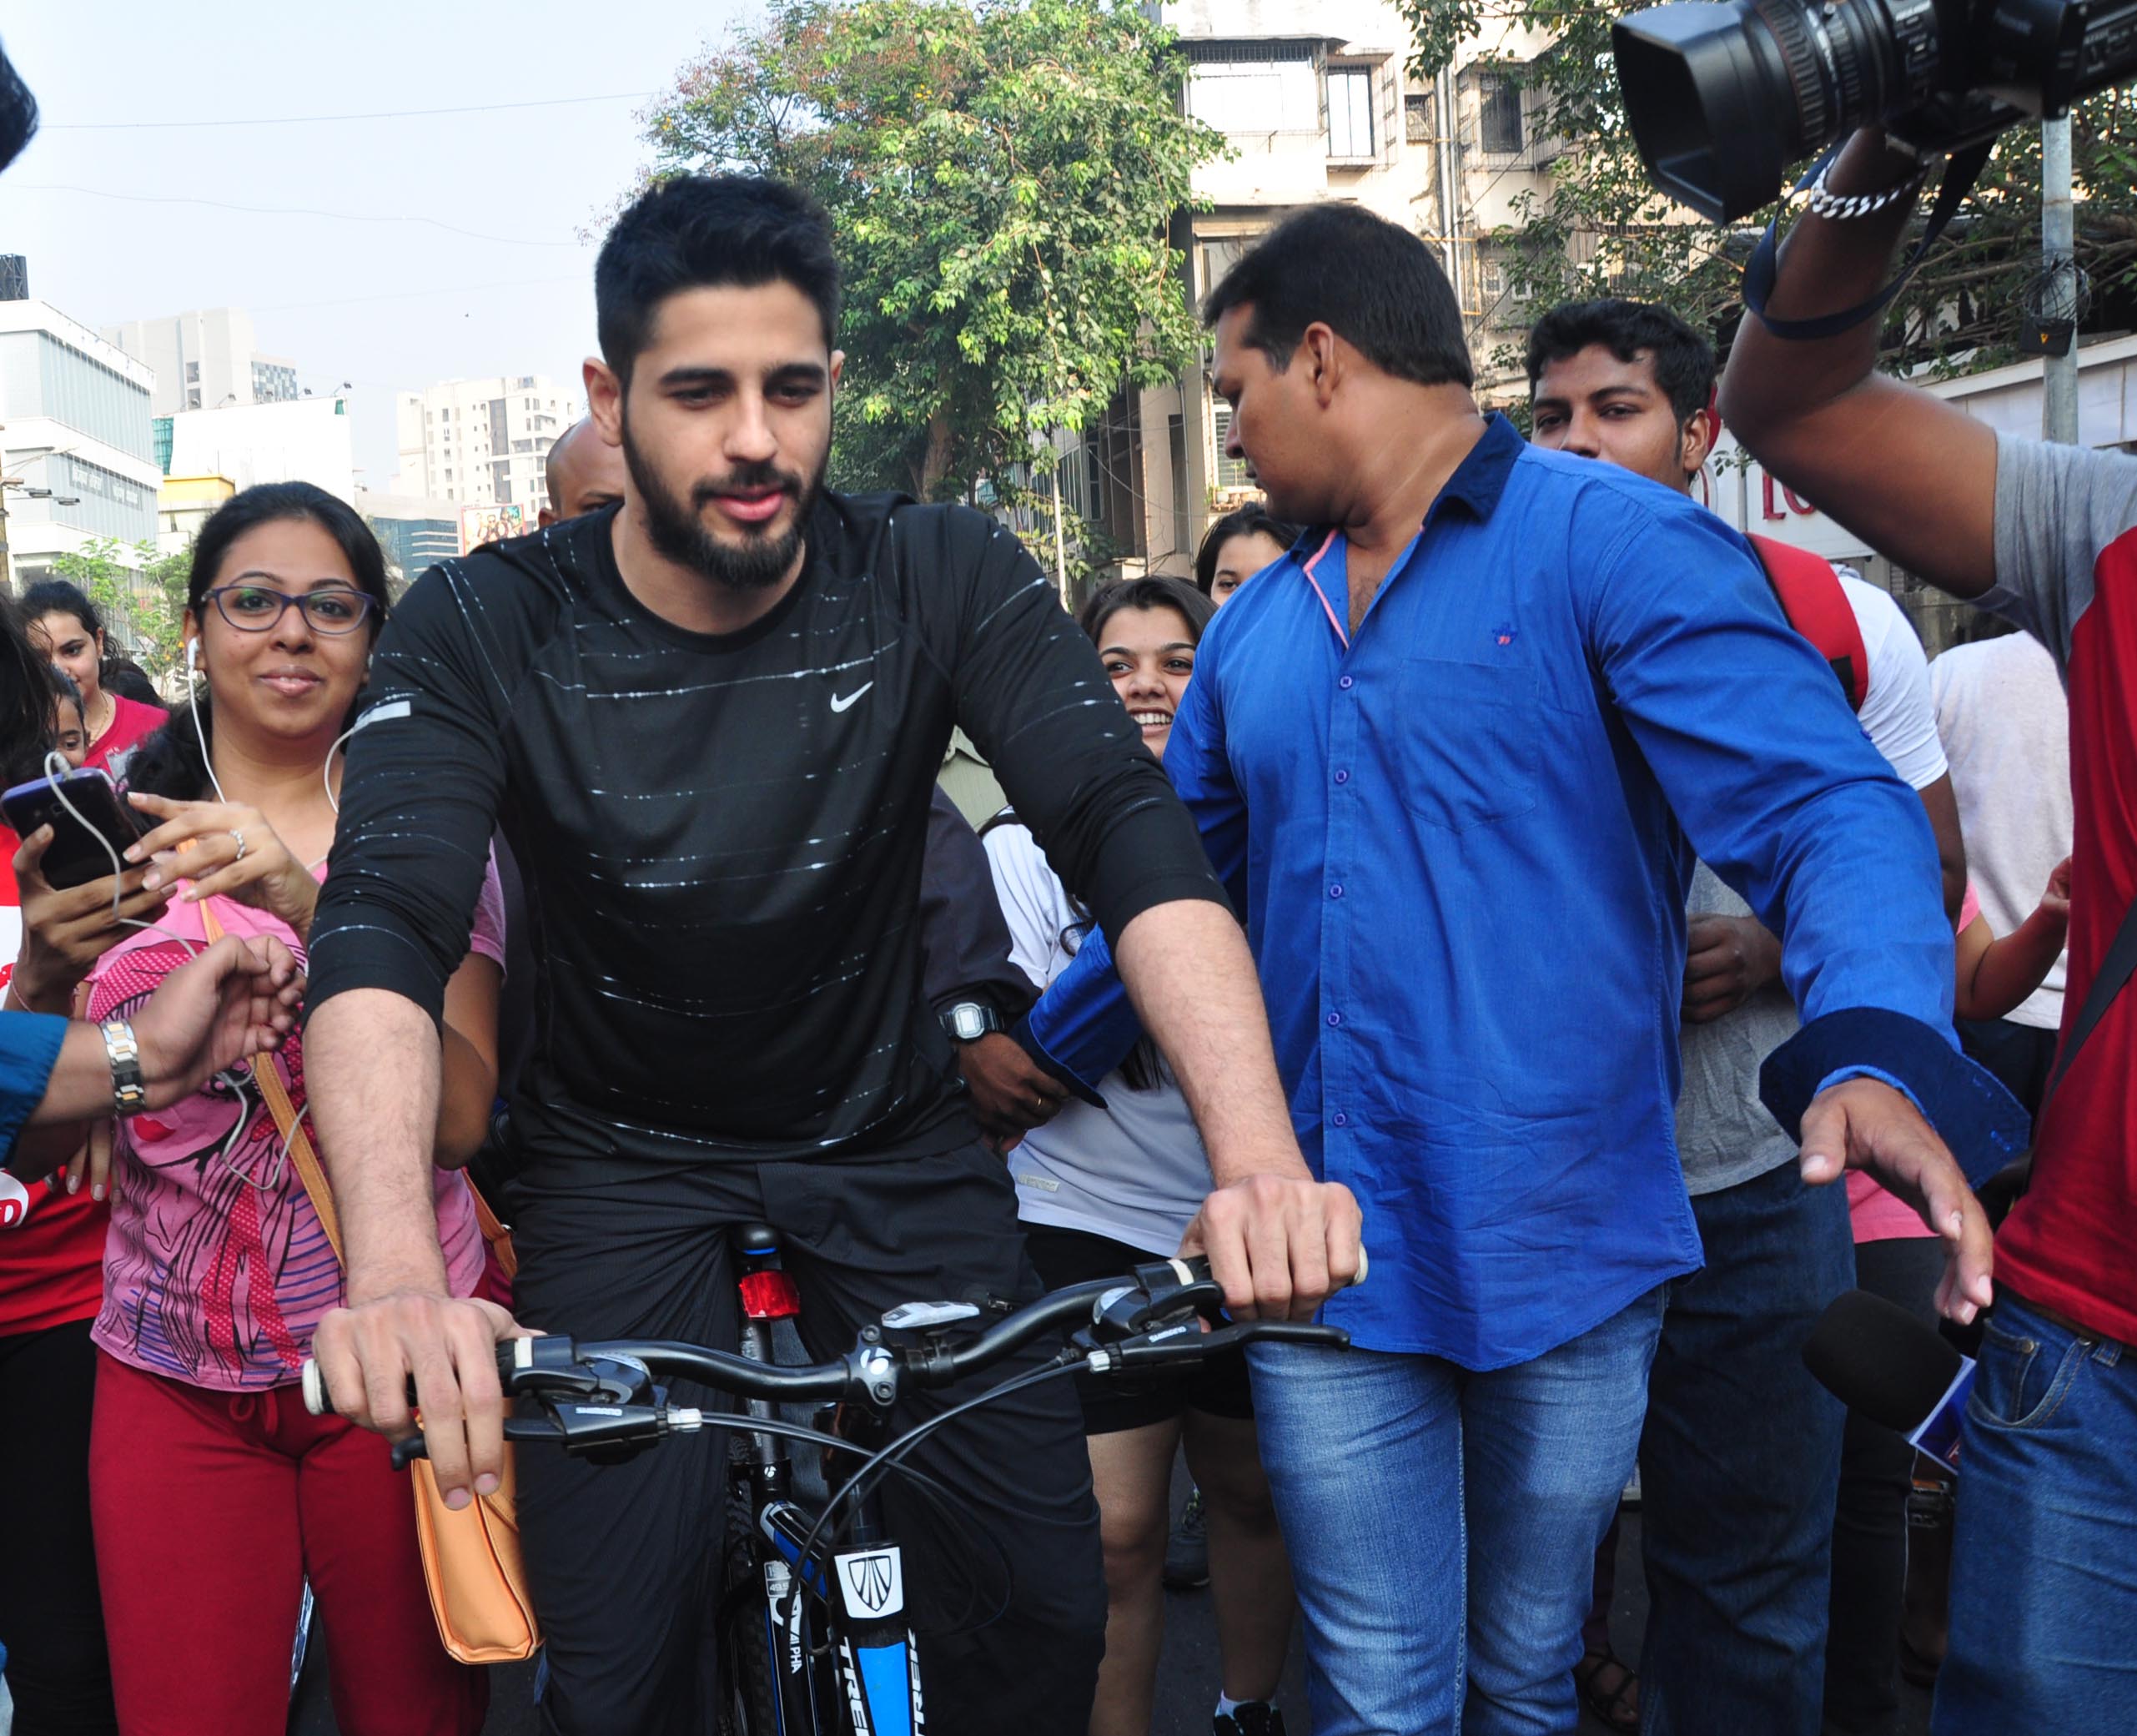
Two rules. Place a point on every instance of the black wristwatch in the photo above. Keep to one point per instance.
(969, 1020)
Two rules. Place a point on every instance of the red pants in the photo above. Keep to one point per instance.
(211, 1509)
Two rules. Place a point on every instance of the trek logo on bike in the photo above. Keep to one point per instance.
(874, 1583)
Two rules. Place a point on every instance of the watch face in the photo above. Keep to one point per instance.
(967, 1022)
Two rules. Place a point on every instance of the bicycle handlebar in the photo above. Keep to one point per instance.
(605, 1385)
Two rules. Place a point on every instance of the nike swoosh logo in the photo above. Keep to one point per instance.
(839, 705)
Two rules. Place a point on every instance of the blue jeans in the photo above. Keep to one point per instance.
(1443, 1524)
(1738, 1467)
(2043, 1634)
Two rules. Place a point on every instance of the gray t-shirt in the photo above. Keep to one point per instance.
(1724, 1134)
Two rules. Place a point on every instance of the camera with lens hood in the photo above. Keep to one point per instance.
(1722, 97)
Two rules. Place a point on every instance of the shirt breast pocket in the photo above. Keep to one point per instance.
(1466, 742)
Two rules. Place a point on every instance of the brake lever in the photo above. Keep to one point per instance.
(517, 1428)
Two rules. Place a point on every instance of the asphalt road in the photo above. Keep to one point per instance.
(1187, 1680)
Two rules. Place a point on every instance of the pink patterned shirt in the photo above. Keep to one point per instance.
(217, 1271)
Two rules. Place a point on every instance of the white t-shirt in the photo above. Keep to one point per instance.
(2006, 727)
(1134, 1171)
(1724, 1134)
(1896, 714)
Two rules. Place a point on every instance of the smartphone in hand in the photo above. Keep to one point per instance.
(85, 814)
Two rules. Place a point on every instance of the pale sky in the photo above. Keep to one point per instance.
(391, 304)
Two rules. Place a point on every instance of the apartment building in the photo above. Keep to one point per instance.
(1315, 104)
(481, 442)
(204, 359)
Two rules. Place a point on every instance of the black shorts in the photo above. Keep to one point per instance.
(1217, 1387)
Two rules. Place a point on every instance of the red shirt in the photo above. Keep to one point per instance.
(51, 1243)
(2066, 568)
(131, 721)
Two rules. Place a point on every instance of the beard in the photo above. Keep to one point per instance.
(676, 527)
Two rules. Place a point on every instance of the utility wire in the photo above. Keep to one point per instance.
(306, 120)
(343, 301)
(145, 199)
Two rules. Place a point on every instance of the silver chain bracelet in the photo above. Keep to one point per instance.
(1820, 202)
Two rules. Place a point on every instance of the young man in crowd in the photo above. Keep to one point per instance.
(2043, 1613)
(709, 720)
(964, 944)
(1458, 721)
(1741, 1454)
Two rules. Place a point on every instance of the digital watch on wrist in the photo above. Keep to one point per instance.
(969, 1020)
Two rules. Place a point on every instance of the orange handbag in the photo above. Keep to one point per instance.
(471, 1560)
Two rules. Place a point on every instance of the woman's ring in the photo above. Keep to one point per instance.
(239, 836)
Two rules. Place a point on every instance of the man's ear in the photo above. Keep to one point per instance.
(604, 399)
(1321, 353)
(1696, 445)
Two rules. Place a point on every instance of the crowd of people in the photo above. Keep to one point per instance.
(1478, 866)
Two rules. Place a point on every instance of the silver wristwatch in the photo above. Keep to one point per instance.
(969, 1020)
(129, 1091)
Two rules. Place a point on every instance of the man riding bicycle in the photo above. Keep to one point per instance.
(708, 721)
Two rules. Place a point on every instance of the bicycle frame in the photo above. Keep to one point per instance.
(841, 1638)
(843, 1647)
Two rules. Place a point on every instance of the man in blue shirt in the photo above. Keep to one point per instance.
(1460, 720)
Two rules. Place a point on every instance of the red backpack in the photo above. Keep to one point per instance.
(1811, 597)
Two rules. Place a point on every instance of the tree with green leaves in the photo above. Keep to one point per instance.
(1001, 178)
(1601, 228)
(140, 594)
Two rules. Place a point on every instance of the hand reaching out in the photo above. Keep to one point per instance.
(199, 841)
(239, 998)
(1863, 1123)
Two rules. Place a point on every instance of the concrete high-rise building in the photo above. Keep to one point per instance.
(205, 360)
(481, 442)
(76, 447)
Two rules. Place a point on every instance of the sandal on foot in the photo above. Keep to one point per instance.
(1613, 1699)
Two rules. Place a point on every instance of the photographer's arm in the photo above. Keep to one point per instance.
(1911, 475)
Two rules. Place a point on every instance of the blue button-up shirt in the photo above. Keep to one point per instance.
(29, 1050)
(1459, 840)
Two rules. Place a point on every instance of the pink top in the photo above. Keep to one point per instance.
(132, 722)
(1875, 1214)
(209, 1277)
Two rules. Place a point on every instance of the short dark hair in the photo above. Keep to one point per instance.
(1374, 284)
(701, 232)
(1684, 361)
(62, 597)
(129, 679)
(1155, 591)
(1249, 520)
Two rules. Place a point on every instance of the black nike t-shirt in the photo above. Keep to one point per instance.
(721, 835)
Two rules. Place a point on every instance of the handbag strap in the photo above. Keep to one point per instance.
(288, 1122)
(2114, 975)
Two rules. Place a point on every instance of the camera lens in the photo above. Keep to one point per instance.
(1721, 99)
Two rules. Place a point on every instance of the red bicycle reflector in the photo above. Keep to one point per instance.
(770, 1296)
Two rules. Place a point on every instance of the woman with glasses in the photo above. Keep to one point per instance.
(214, 1494)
